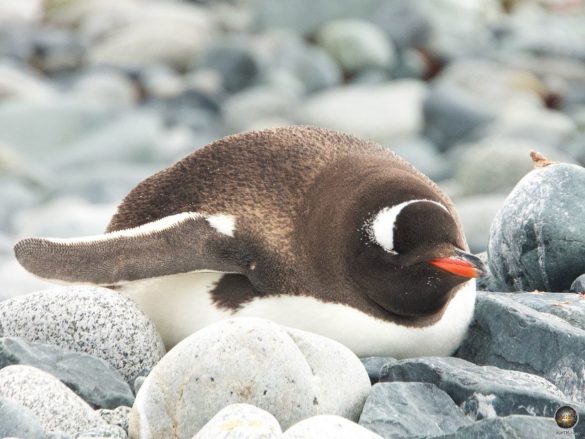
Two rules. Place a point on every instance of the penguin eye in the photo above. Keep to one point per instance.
(382, 227)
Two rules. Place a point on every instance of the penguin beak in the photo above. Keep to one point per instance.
(461, 264)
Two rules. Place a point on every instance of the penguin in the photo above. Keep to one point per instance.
(309, 228)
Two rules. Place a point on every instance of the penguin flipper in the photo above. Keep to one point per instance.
(181, 243)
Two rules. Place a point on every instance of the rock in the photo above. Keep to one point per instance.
(356, 45)
(118, 417)
(496, 164)
(385, 113)
(18, 421)
(91, 320)
(311, 64)
(101, 186)
(451, 116)
(57, 407)
(182, 31)
(509, 335)
(517, 426)
(476, 214)
(411, 410)
(241, 421)
(57, 122)
(133, 137)
(160, 82)
(16, 281)
(106, 86)
(536, 238)
(16, 196)
(482, 391)
(541, 126)
(569, 307)
(236, 63)
(328, 426)
(578, 285)
(487, 281)
(245, 108)
(233, 361)
(424, 156)
(16, 83)
(93, 379)
(57, 50)
(64, 217)
(294, 15)
(404, 22)
(374, 366)
(470, 95)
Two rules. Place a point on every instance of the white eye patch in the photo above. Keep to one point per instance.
(381, 229)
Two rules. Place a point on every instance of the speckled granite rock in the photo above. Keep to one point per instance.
(328, 426)
(91, 378)
(118, 417)
(234, 361)
(482, 391)
(91, 320)
(241, 421)
(515, 426)
(18, 421)
(57, 407)
(509, 335)
(537, 240)
(411, 410)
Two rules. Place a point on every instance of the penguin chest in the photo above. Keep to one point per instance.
(182, 304)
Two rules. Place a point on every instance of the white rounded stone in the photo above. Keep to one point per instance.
(241, 421)
(293, 374)
(328, 426)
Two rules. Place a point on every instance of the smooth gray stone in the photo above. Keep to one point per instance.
(356, 45)
(411, 410)
(404, 22)
(423, 155)
(482, 391)
(537, 240)
(237, 64)
(452, 116)
(305, 16)
(507, 334)
(19, 421)
(374, 366)
(93, 379)
(476, 214)
(328, 426)
(568, 306)
(511, 427)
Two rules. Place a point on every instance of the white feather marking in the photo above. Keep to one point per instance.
(143, 230)
(225, 224)
(381, 229)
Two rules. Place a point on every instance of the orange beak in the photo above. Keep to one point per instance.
(462, 264)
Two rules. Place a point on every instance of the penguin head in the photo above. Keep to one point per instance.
(411, 255)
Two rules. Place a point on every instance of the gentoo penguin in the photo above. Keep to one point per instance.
(309, 228)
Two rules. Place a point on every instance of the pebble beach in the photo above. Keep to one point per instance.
(97, 95)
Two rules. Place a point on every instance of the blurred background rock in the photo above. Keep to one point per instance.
(96, 95)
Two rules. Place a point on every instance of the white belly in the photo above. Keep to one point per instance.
(180, 305)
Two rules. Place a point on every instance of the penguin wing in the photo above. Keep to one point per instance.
(180, 243)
